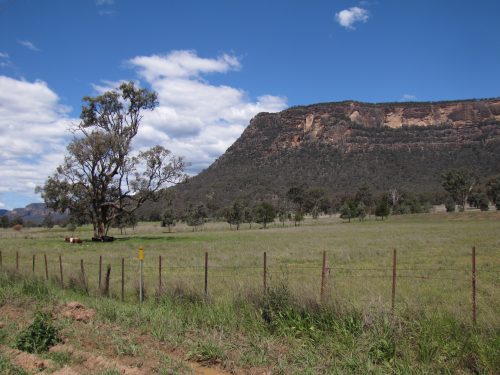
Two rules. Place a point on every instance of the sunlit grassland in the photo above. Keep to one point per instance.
(351, 332)
(433, 267)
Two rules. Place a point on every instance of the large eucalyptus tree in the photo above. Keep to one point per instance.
(101, 178)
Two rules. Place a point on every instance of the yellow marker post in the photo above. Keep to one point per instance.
(141, 259)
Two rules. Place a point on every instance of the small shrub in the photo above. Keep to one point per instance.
(275, 303)
(17, 227)
(39, 336)
(383, 348)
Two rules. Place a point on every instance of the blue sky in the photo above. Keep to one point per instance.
(216, 64)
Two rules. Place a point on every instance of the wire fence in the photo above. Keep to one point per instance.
(121, 278)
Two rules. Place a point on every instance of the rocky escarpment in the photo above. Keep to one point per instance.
(34, 213)
(340, 146)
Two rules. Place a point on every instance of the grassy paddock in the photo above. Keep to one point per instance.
(255, 333)
(434, 262)
(352, 330)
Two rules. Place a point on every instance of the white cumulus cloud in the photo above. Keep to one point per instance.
(33, 134)
(195, 118)
(348, 17)
(182, 64)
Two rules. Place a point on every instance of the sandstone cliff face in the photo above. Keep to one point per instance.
(35, 212)
(341, 146)
(355, 126)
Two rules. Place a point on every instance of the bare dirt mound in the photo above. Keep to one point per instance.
(76, 311)
(29, 362)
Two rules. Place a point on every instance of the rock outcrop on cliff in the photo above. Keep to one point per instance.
(341, 146)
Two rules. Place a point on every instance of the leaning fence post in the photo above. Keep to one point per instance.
(123, 278)
(265, 272)
(323, 276)
(474, 285)
(46, 267)
(61, 271)
(394, 254)
(206, 274)
(84, 279)
(33, 268)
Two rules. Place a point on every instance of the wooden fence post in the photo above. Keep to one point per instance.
(474, 285)
(123, 279)
(17, 261)
(100, 271)
(206, 274)
(394, 255)
(1, 262)
(323, 276)
(84, 279)
(265, 272)
(33, 269)
(107, 279)
(61, 271)
(159, 275)
(46, 267)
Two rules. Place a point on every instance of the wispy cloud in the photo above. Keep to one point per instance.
(109, 11)
(29, 45)
(408, 98)
(4, 60)
(348, 17)
(106, 12)
(104, 2)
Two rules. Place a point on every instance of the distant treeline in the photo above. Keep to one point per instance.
(461, 186)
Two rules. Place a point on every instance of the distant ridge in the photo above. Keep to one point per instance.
(34, 213)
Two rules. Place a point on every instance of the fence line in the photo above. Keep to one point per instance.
(326, 271)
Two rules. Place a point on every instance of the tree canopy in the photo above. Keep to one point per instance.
(100, 178)
(264, 213)
(459, 184)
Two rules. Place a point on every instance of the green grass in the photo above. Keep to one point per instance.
(433, 260)
(288, 330)
(285, 334)
(7, 368)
